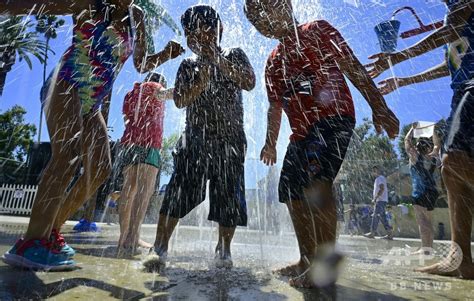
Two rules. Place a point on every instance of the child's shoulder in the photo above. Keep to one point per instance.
(151, 86)
(320, 25)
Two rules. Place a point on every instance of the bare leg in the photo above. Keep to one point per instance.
(301, 221)
(424, 220)
(146, 176)
(223, 254)
(97, 166)
(129, 191)
(90, 208)
(458, 177)
(164, 231)
(63, 114)
(314, 221)
(226, 235)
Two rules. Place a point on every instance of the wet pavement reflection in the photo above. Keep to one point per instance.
(190, 275)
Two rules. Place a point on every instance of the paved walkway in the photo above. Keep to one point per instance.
(367, 273)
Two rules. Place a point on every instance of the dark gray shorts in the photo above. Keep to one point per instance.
(220, 162)
(318, 157)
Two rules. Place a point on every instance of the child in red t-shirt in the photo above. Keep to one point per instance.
(143, 110)
(305, 78)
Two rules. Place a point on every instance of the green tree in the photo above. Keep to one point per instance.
(169, 143)
(167, 165)
(156, 16)
(16, 135)
(17, 40)
(365, 151)
(47, 25)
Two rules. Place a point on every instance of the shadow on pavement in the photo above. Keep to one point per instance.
(107, 252)
(339, 292)
(23, 284)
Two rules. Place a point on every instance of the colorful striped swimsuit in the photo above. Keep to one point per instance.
(94, 60)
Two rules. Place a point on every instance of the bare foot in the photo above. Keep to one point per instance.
(464, 271)
(144, 244)
(422, 252)
(303, 281)
(154, 263)
(438, 269)
(223, 261)
(293, 270)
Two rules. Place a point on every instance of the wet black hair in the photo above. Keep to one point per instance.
(156, 78)
(198, 15)
(424, 145)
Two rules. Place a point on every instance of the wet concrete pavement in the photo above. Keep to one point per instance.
(372, 270)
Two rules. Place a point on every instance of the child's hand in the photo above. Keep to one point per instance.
(386, 120)
(268, 155)
(435, 152)
(389, 85)
(380, 65)
(174, 49)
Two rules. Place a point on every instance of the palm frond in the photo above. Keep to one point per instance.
(28, 61)
(155, 17)
(16, 34)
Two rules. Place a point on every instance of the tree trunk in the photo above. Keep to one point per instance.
(3, 77)
(45, 65)
(8, 60)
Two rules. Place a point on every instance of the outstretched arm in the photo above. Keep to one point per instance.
(344, 57)
(57, 7)
(456, 20)
(144, 62)
(165, 94)
(382, 117)
(391, 84)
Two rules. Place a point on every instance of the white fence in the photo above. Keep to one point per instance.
(17, 199)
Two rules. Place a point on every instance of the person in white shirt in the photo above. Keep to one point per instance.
(380, 199)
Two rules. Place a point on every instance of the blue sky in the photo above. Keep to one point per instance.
(354, 18)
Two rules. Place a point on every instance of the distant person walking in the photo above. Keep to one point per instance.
(353, 225)
(380, 199)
